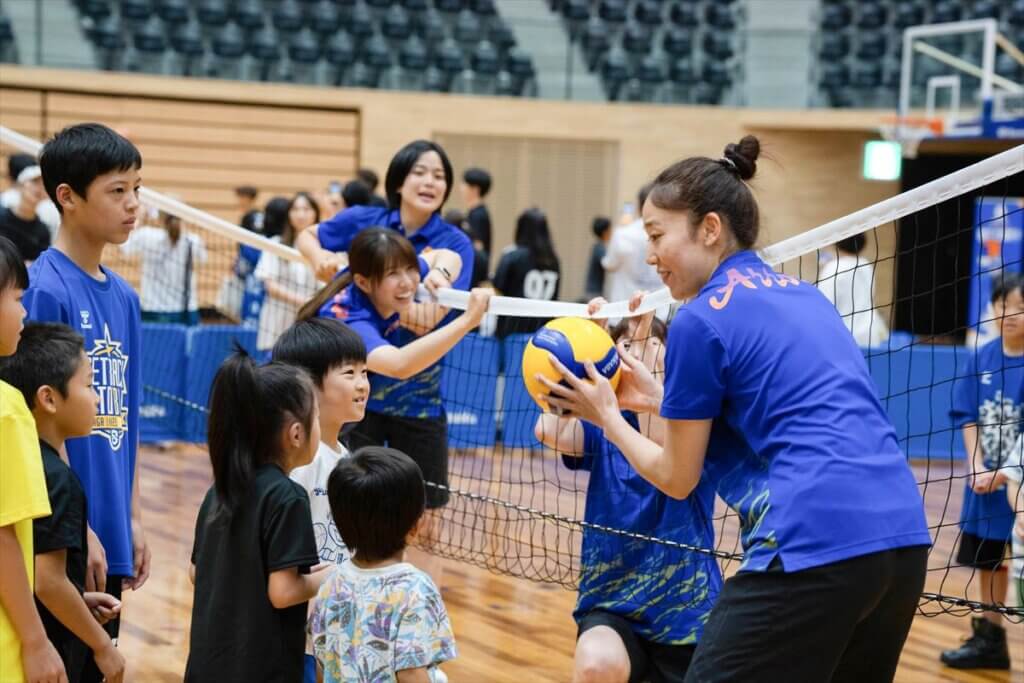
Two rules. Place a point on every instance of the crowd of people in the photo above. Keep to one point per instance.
(300, 564)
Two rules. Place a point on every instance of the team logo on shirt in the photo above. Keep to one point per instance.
(110, 380)
(754, 278)
(998, 428)
(86, 325)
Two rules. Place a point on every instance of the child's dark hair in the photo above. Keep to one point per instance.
(700, 186)
(600, 226)
(533, 234)
(853, 244)
(376, 498)
(369, 177)
(247, 191)
(356, 193)
(402, 164)
(275, 216)
(318, 344)
(49, 354)
(659, 329)
(373, 252)
(13, 272)
(79, 154)
(249, 407)
(1006, 285)
(478, 178)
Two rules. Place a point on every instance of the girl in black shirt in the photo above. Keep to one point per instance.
(254, 543)
(530, 269)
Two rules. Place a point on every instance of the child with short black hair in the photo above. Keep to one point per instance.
(54, 375)
(92, 175)
(377, 617)
(254, 549)
(25, 651)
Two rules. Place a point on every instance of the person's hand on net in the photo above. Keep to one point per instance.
(326, 265)
(988, 481)
(593, 306)
(476, 308)
(591, 399)
(435, 280)
(639, 389)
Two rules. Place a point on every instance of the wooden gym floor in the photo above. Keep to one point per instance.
(507, 630)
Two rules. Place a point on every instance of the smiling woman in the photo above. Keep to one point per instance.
(765, 359)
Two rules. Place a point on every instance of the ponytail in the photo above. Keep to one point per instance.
(311, 308)
(249, 407)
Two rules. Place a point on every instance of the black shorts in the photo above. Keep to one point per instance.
(844, 622)
(981, 553)
(648, 661)
(90, 672)
(425, 441)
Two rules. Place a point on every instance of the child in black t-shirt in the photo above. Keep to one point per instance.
(54, 374)
(254, 545)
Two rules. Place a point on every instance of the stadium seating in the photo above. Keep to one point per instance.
(366, 43)
(658, 50)
(859, 45)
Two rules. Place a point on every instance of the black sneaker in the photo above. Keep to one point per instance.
(985, 649)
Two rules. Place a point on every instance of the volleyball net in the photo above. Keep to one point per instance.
(912, 277)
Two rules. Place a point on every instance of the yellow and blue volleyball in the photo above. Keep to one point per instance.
(573, 341)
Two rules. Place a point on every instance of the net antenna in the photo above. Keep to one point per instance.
(981, 103)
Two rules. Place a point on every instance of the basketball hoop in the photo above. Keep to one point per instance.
(909, 131)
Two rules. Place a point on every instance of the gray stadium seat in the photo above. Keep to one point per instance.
(683, 14)
(340, 54)
(835, 17)
(396, 24)
(324, 18)
(187, 45)
(247, 14)
(228, 50)
(288, 17)
(648, 13)
(212, 13)
(173, 12)
(304, 52)
(467, 27)
(150, 44)
(136, 11)
(265, 49)
(833, 47)
(870, 16)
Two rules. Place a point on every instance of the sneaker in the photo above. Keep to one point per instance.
(985, 649)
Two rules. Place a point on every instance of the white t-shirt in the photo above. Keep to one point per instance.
(625, 263)
(1013, 468)
(163, 268)
(313, 478)
(848, 282)
(45, 210)
(276, 315)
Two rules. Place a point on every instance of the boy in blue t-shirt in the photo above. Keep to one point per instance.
(987, 407)
(92, 175)
(641, 605)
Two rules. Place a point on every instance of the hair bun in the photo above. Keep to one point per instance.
(744, 155)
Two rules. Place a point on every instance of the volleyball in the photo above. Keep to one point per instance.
(573, 341)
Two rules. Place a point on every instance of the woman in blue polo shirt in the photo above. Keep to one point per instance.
(833, 528)
(405, 414)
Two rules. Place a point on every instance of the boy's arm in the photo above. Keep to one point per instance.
(419, 675)
(562, 434)
(40, 660)
(59, 595)
(287, 587)
(141, 555)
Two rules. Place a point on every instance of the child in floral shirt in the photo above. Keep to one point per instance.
(379, 619)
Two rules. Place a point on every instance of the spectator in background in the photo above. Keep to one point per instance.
(529, 269)
(11, 197)
(476, 183)
(369, 178)
(252, 218)
(355, 193)
(20, 223)
(625, 260)
(594, 286)
(288, 284)
(848, 281)
(457, 218)
(169, 258)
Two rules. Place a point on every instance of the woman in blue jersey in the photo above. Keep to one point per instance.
(641, 605)
(407, 415)
(833, 529)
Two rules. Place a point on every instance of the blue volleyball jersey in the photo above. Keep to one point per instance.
(665, 592)
(352, 307)
(823, 478)
(989, 393)
(419, 396)
(107, 315)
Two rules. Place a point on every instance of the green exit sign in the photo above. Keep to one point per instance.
(883, 160)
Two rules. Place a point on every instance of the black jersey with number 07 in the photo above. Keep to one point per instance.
(517, 275)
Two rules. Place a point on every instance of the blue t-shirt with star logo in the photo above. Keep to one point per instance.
(989, 393)
(822, 478)
(107, 314)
